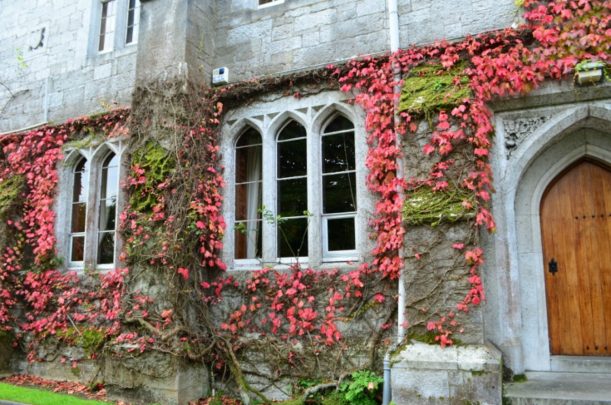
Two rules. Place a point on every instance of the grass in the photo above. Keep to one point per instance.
(36, 396)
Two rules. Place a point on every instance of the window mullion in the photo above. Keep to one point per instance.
(270, 193)
(91, 235)
(314, 198)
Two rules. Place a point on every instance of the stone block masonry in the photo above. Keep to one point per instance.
(49, 70)
(429, 374)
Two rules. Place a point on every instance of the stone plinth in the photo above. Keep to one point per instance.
(430, 374)
(146, 378)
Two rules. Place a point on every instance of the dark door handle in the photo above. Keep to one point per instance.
(552, 266)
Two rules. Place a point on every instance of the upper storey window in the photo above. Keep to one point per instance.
(133, 15)
(117, 23)
(107, 25)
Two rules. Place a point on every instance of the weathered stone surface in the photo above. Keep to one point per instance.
(48, 54)
(7, 352)
(430, 374)
(150, 377)
(155, 377)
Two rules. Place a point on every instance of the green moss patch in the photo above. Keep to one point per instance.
(431, 87)
(90, 339)
(9, 191)
(157, 164)
(424, 206)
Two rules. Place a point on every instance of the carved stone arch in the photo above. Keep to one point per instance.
(572, 135)
(241, 125)
(279, 121)
(73, 156)
(101, 152)
(324, 116)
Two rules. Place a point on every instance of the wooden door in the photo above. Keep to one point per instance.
(576, 233)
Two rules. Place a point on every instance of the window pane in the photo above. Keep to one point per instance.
(339, 193)
(248, 240)
(292, 130)
(340, 123)
(248, 164)
(248, 201)
(338, 152)
(106, 248)
(80, 182)
(292, 158)
(103, 20)
(250, 137)
(108, 214)
(78, 247)
(293, 238)
(340, 234)
(110, 177)
(292, 197)
(78, 217)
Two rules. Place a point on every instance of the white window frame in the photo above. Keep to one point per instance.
(95, 156)
(270, 4)
(268, 118)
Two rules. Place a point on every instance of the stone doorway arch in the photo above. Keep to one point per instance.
(516, 312)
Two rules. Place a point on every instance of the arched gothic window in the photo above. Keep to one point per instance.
(296, 194)
(92, 210)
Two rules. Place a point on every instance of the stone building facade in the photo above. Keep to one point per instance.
(54, 66)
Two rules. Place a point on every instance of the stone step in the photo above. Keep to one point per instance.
(543, 388)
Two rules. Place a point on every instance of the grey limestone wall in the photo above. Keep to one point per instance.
(426, 21)
(47, 68)
(299, 34)
(296, 34)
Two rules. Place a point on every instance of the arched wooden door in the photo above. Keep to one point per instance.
(576, 233)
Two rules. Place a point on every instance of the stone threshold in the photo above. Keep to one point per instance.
(560, 388)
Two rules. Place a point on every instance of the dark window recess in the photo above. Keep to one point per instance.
(293, 237)
(338, 230)
(339, 193)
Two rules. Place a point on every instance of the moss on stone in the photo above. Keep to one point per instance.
(93, 138)
(90, 339)
(426, 206)
(431, 87)
(157, 164)
(519, 378)
(10, 188)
